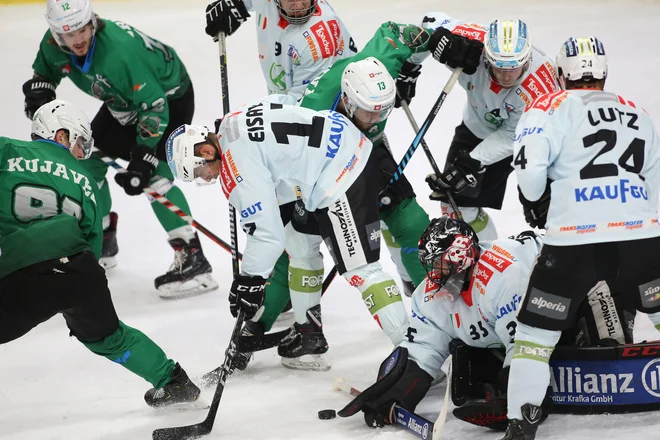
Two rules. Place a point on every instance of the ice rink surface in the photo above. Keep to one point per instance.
(53, 388)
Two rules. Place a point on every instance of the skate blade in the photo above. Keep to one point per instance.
(108, 262)
(194, 286)
(309, 362)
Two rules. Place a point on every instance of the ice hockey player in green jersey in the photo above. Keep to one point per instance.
(343, 88)
(50, 240)
(147, 93)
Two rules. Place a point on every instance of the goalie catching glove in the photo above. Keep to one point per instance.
(400, 382)
(247, 295)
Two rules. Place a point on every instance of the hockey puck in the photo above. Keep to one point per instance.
(327, 414)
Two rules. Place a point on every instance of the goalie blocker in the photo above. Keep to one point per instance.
(593, 380)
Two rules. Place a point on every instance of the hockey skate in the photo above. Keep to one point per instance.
(178, 390)
(189, 274)
(524, 429)
(110, 249)
(305, 348)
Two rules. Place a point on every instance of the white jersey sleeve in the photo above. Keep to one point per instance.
(601, 153)
(291, 56)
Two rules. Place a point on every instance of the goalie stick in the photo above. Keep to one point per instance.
(411, 422)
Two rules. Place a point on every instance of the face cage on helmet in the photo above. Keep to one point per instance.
(300, 19)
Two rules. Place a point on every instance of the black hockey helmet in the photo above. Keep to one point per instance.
(297, 16)
(447, 247)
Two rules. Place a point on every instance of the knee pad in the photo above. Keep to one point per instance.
(382, 297)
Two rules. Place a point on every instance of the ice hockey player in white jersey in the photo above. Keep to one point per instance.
(472, 293)
(595, 156)
(297, 39)
(504, 80)
(269, 154)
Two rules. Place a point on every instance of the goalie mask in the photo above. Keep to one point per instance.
(447, 249)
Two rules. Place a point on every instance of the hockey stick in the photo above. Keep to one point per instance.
(172, 207)
(425, 126)
(205, 427)
(442, 417)
(429, 156)
(411, 422)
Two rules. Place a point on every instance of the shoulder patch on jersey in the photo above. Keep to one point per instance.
(226, 179)
(472, 31)
(550, 101)
(497, 262)
(312, 46)
(482, 273)
(533, 86)
(547, 79)
(326, 35)
(500, 250)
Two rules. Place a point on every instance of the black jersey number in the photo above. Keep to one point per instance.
(632, 159)
(479, 333)
(313, 131)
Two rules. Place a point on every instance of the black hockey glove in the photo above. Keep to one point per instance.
(400, 381)
(225, 16)
(536, 213)
(247, 294)
(140, 169)
(37, 92)
(463, 172)
(456, 50)
(406, 83)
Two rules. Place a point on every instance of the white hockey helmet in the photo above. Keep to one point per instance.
(367, 85)
(62, 115)
(296, 12)
(180, 151)
(581, 58)
(508, 45)
(64, 16)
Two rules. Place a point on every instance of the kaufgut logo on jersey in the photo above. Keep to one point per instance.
(605, 382)
(622, 192)
(526, 131)
(336, 130)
